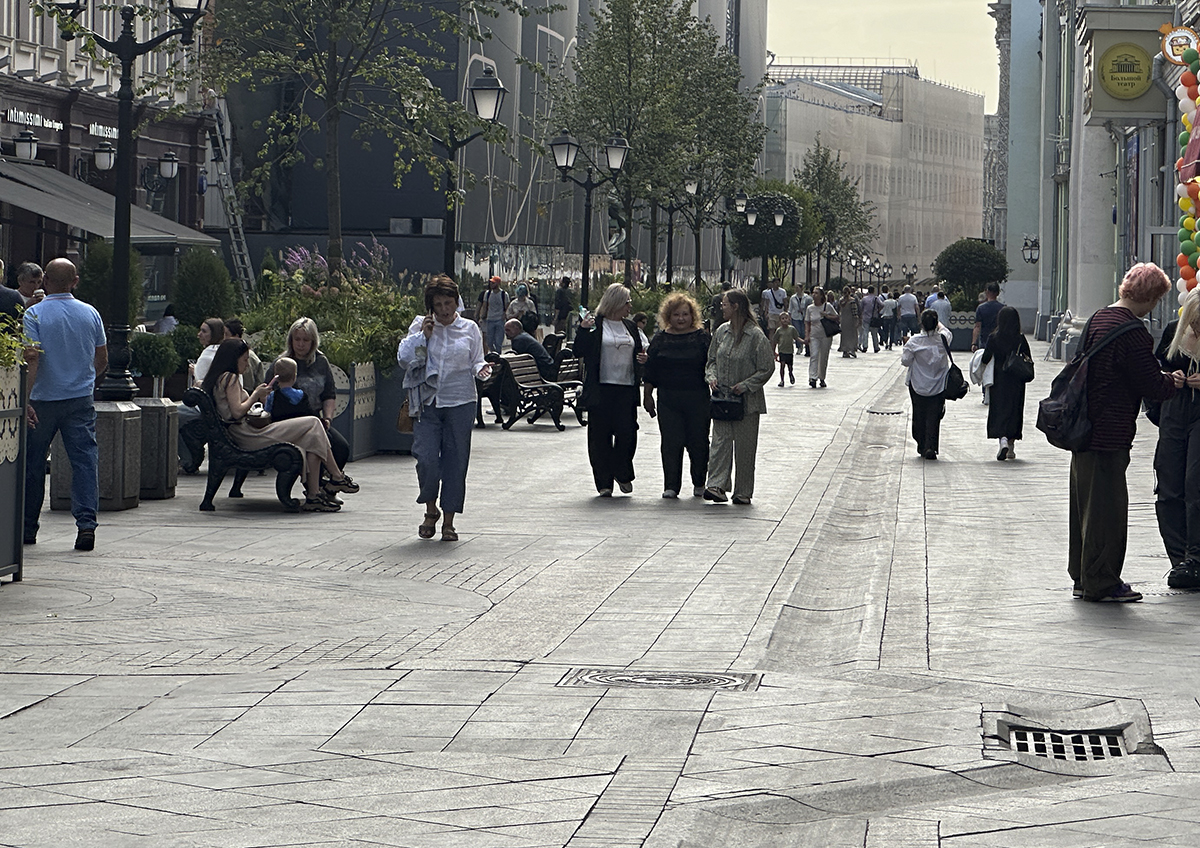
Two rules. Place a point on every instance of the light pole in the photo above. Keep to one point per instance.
(118, 382)
(672, 208)
(565, 150)
(487, 95)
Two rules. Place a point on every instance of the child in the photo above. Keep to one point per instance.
(286, 401)
(785, 342)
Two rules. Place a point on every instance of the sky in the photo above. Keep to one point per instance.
(952, 41)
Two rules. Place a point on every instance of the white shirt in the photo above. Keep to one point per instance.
(616, 354)
(775, 300)
(797, 306)
(907, 303)
(203, 361)
(942, 307)
(887, 308)
(927, 361)
(455, 355)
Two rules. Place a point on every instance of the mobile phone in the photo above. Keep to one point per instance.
(583, 312)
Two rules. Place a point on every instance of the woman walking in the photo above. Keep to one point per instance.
(1177, 457)
(612, 353)
(849, 315)
(1006, 403)
(819, 344)
(927, 358)
(442, 355)
(675, 366)
(739, 360)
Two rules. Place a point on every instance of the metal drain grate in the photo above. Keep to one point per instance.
(1083, 746)
(638, 679)
(885, 412)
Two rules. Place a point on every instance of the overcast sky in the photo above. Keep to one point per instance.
(952, 41)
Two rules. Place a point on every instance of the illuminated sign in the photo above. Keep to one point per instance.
(31, 119)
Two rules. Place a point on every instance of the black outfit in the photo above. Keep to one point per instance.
(316, 381)
(11, 302)
(927, 420)
(562, 303)
(282, 407)
(612, 409)
(1177, 461)
(675, 366)
(525, 343)
(1006, 400)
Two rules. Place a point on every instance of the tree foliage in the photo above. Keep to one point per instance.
(654, 73)
(202, 288)
(848, 221)
(362, 61)
(95, 281)
(782, 245)
(968, 265)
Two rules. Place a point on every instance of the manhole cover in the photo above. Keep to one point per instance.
(638, 679)
(1081, 746)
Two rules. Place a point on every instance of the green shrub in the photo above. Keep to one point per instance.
(154, 355)
(95, 281)
(187, 345)
(202, 288)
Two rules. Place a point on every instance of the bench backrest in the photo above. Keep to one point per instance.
(570, 368)
(523, 368)
(214, 427)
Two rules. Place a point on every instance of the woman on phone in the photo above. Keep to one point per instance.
(442, 355)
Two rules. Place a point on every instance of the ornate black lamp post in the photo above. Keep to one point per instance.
(565, 150)
(118, 382)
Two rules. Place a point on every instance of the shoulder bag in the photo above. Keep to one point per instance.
(956, 385)
(831, 326)
(1019, 366)
(726, 405)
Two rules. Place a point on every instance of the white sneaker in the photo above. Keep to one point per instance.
(670, 493)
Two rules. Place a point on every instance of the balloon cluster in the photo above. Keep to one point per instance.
(1188, 92)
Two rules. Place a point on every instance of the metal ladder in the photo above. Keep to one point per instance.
(219, 141)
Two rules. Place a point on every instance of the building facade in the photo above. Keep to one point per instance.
(915, 147)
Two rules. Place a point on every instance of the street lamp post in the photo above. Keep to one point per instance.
(118, 382)
(672, 208)
(1031, 251)
(565, 150)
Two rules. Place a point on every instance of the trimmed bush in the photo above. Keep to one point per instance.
(95, 281)
(154, 355)
(202, 288)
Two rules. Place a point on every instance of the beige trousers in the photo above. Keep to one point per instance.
(734, 443)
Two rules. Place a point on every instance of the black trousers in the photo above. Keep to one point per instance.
(1099, 521)
(1177, 477)
(612, 434)
(927, 420)
(339, 446)
(683, 418)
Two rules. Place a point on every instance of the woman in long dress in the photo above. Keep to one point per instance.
(850, 313)
(223, 384)
(1006, 403)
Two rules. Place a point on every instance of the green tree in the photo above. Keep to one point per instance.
(780, 245)
(654, 73)
(202, 288)
(95, 281)
(967, 266)
(362, 63)
(848, 221)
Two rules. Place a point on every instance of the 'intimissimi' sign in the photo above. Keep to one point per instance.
(30, 119)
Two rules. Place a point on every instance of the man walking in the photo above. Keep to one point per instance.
(774, 301)
(493, 303)
(906, 306)
(71, 350)
(798, 305)
(869, 328)
(985, 316)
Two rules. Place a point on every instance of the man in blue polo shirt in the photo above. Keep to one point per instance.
(71, 351)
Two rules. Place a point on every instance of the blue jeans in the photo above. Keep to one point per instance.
(495, 336)
(76, 420)
(442, 448)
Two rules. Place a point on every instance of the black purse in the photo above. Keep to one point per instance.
(727, 406)
(956, 384)
(830, 327)
(1018, 366)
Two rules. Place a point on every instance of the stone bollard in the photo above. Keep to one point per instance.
(119, 435)
(160, 447)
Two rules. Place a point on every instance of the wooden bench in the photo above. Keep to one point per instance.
(570, 378)
(519, 390)
(224, 454)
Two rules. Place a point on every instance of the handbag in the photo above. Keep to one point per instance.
(727, 406)
(831, 326)
(956, 384)
(258, 417)
(404, 421)
(1019, 366)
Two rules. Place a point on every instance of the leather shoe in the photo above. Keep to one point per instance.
(85, 540)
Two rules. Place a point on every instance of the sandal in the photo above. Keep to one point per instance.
(425, 531)
(448, 534)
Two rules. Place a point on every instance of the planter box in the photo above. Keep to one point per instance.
(354, 415)
(119, 436)
(160, 447)
(12, 470)
(389, 396)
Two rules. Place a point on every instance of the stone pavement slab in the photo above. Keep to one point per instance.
(250, 678)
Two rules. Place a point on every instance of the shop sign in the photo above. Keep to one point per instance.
(102, 131)
(1178, 40)
(1119, 43)
(31, 119)
(1124, 71)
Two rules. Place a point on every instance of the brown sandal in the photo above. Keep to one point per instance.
(448, 534)
(427, 527)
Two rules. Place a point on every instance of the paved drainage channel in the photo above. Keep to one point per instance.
(638, 679)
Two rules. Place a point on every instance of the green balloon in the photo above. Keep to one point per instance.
(1193, 259)
(1184, 138)
(1190, 55)
(1185, 235)
(1188, 247)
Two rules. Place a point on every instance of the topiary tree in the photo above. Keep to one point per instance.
(966, 267)
(186, 343)
(95, 281)
(154, 356)
(202, 288)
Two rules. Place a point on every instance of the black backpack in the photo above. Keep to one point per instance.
(1063, 416)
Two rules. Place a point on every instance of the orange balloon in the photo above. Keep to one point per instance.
(1191, 284)
(1193, 92)
(1193, 190)
(1187, 272)
(1182, 260)
(1188, 78)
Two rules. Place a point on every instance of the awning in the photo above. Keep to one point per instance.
(60, 197)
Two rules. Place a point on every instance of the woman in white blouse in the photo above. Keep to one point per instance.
(612, 353)
(442, 355)
(927, 358)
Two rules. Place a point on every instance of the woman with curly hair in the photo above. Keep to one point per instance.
(442, 355)
(675, 366)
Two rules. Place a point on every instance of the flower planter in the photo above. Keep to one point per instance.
(160, 447)
(12, 470)
(389, 396)
(354, 414)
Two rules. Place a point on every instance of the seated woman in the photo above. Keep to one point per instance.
(315, 379)
(223, 384)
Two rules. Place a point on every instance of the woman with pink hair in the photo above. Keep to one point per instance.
(1119, 376)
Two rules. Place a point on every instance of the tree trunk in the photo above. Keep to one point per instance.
(652, 276)
(699, 268)
(333, 186)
